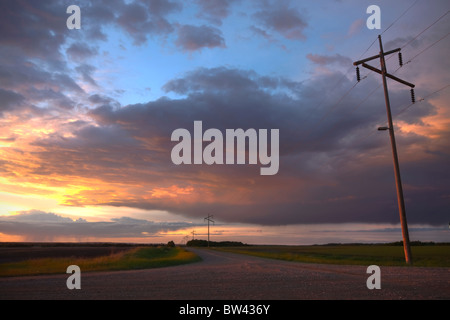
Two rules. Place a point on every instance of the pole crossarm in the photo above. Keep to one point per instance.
(389, 75)
(208, 218)
(375, 57)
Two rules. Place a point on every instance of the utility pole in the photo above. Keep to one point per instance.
(398, 182)
(209, 219)
(193, 234)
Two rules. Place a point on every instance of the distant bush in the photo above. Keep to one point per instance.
(204, 243)
(171, 244)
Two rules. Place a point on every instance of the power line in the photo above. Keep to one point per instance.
(404, 109)
(393, 23)
(361, 138)
(340, 81)
(430, 46)
(409, 61)
(400, 17)
(345, 74)
(418, 35)
(422, 99)
(334, 106)
(374, 90)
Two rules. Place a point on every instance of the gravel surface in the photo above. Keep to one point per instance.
(227, 276)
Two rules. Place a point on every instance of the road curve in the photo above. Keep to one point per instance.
(227, 276)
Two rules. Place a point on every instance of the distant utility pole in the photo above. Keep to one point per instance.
(193, 234)
(209, 219)
(398, 182)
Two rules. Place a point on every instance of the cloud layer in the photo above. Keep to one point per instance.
(43, 226)
(328, 171)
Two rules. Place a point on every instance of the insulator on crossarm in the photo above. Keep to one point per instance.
(400, 59)
(413, 97)
(358, 75)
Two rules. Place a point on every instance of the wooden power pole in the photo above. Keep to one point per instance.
(398, 182)
(209, 219)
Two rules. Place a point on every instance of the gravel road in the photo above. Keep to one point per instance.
(227, 276)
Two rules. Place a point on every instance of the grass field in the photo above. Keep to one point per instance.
(382, 255)
(134, 258)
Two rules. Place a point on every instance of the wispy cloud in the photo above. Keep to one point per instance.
(192, 38)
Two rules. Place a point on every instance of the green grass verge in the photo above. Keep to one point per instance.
(382, 255)
(136, 258)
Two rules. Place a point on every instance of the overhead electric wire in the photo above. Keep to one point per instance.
(374, 90)
(333, 106)
(418, 35)
(345, 74)
(415, 56)
(422, 99)
(361, 138)
(406, 107)
(430, 46)
(400, 17)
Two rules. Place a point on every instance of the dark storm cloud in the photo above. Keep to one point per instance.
(283, 18)
(213, 80)
(214, 10)
(163, 7)
(108, 151)
(330, 169)
(103, 100)
(31, 60)
(35, 42)
(144, 20)
(140, 22)
(80, 51)
(36, 27)
(192, 38)
(36, 46)
(326, 60)
(9, 99)
(86, 71)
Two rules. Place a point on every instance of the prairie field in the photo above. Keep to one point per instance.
(124, 259)
(437, 255)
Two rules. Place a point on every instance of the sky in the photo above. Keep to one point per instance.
(87, 115)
